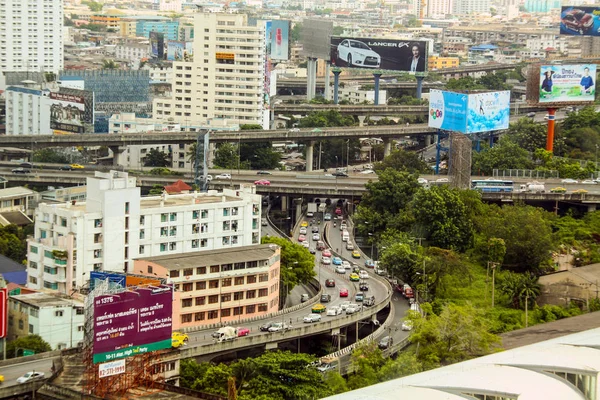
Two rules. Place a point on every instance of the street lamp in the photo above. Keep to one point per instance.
(371, 235)
(596, 163)
(336, 162)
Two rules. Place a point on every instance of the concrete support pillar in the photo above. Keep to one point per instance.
(212, 151)
(327, 80)
(376, 75)
(311, 78)
(298, 204)
(428, 140)
(551, 123)
(387, 147)
(310, 147)
(491, 141)
(117, 155)
(438, 149)
(419, 86)
(592, 207)
(284, 203)
(361, 120)
(336, 85)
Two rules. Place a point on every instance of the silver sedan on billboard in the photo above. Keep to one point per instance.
(357, 54)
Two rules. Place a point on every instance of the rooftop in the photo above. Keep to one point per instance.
(15, 191)
(184, 199)
(46, 300)
(215, 257)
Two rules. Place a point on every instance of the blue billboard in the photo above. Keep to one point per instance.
(469, 113)
(580, 21)
(280, 39)
(115, 280)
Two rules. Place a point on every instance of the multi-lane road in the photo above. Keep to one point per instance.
(14, 371)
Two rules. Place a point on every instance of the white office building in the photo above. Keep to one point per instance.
(31, 37)
(225, 80)
(116, 225)
(132, 51)
(471, 7)
(439, 8)
(27, 111)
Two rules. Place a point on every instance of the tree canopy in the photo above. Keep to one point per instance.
(156, 158)
(29, 342)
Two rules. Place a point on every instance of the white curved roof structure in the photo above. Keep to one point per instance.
(565, 368)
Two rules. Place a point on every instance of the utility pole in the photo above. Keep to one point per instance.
(493, 283)
(526, 309)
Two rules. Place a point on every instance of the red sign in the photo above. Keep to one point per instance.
(3, 311)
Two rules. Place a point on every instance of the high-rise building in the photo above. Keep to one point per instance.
(115, 225)
(225, 80)
(31, 37)
(27, 111)
(439, 8)
(542, 5)
(471, 6)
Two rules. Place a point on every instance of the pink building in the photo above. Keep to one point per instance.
(219, 285)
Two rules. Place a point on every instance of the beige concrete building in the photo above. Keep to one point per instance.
(579, 285)
(225, 80)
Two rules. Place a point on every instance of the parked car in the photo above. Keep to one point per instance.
(262, 182)
(330, 282)
(386, 342)
(30, 376)
(310, 318)
(223, 176)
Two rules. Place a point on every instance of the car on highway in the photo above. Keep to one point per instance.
(370, 264)
(577, 20)
(77, 166)
(279, 327)
(386, 342)
(304, 298)
(310, 214)
(407, 325)
(264, 222)
(325, 298)
(531, 114)
(243, 332)
(354, 277)
(360, 296)
(355, 254)
(326, 253)
(330, 282)
(320, 245)
(334, 311)
(314, 229)
(263, 173)
(223, 176)
(367, 172)
(343, 292)
(339, 174)
(326, 260)
(327, 217)
(306, 245)
(589, 182)
(558, 190)
(343, 226)
(312, 250)
(262, 182)
(349, 246)
(338, 211)
(569, 180)
(65, 168)
(318, 308)
(316, 237)
(340, 270)
(580, 191)
(30, 376)
(310, 318)
(337, 261)
(344, 305)
(363, 274)
(294, 130)
(265, 327)
(27, 165)
(346, 264)
(303, 230)
(301, 238)
(20, 171)
(369, 301)
(304, 224)
(353, 308)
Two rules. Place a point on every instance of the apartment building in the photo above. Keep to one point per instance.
(115, 225)
(169, 28)
(461, 7)
(439, 8)
(27, 111)
(17, 200)
(223, 285)
(31, 37)
(58, 320)
(437, 62)
(132, 51)
(225, 80)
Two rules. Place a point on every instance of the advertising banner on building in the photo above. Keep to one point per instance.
(280, 40)
(580, 21)
(380, 54)
(3, 312)
(469, 113)
(567, 83)
(132, 322)
(66, 112)
(177, 51)
(157, 44)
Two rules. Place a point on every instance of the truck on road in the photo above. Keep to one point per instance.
(533, 187)
(312, 209)
(328, 364)
(225, 334)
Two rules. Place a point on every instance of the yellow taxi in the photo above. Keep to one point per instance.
(77, 166)
(558, 190)
(178, 339)
(580, 191)
(355, 254)
(354, 277)
(304, 224)
(318, 308)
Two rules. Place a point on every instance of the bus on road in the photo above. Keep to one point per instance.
(492, 185)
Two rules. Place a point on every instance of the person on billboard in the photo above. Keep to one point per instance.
(587, 83)
(416, 62)
(547, 82)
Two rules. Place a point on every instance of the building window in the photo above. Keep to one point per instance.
(262, 307)
(213, 299)
(188, 272)
(141, 249)
(173, 217)
(214, 269)
(58, 313)
(214, 284)
(186, 318)
(163, 232)
(226, 225)
(263, 277)
(239, 265)
(30, 328)
(47, 254)
(195, 243)
(164, 217)
(126, 203)
(173, 231)
(163, 247)
(226, 282)
(251, 279)
(33, 280)
(238, 310)
(251, 294)
(195, 214)
(213, 314)
(32, 264)
(239, 280)
(226, 212)
(199, 316)
(225, 297)
(238, 296)
(186, 303)
(188, 287)
(20, 324)
(200, 301)
(200, 270)
(263, 292)
(227, 267)
(173, 246)
(251, 309)
(225, 240)
(201, 285)
(98, 223)
(174, 273)
(33, 249)
(142, 233)
(142, 219)
(225, 312)
(204, 214)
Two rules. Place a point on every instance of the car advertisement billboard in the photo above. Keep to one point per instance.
(66, 112)
(580, 21)
(469, 113)
(132, 322)
(280, 39)
(567, 83)
(157, 44)
(384, 54)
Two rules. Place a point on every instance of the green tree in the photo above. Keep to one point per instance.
(190, 371)
(402, 160)
(29, 342)
(156, 190)
(227, 157)
(495, 81)
(296, 32)
(96, 27)
(95, 6)
(505, 154)
(323, 119)
(49, 155)
(335, 152)
(519, 288)
(443, 218)
(528, 134)
(464, 83)
(109, 64)
(400, 260)
(338, 30)
(13, 243)
(250, 127)
(260, 155)
(156, 158)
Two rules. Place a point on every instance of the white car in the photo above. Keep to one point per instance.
(326, 260)
(363, 275)
(316, 236)
(589, 182)
(334, 311)
(223, 176)
(295, 130)
(344, 305)
(346, 265)
(279, 326)
(303, 230)
(30, 376)
(357, 53)
(367, 171)
(349, 246)
(306, 245)
(310, 214)
(422, 181)
(340, 270)
(569, 180)
(353, 308)
(407, 325)
(312, 318)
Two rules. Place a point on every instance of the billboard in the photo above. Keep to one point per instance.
(315, 38)
(567, 83)
(580, 21)
(66, 112)
(469, 113)
(280, 40)
(118, 280)
(157, 44)
(132, 322)
(386, 54)
(178, 51)
(3, 311)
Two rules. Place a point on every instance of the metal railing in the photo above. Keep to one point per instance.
(524, 173)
